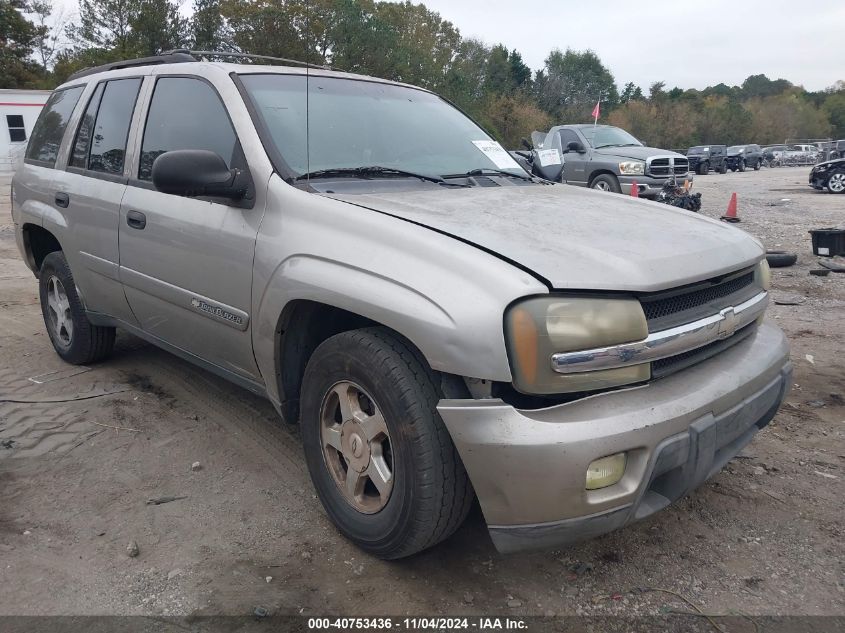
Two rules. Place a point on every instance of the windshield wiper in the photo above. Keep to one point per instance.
(486, 171)
(371, 170)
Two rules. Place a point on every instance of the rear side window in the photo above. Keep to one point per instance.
(50, 128)
(185, 113)
(17, 132)
(100, 143)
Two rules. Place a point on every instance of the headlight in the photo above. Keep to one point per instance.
(764, 275)
(821, 167)
(537, 328)
(632, 167)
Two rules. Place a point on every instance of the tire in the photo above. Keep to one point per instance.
(836, 181)
(742, 165)
(606, 182)
(73, 336)
(428, 493)
(703, 169)
(780, 259)
(723, 168)
(758, 165)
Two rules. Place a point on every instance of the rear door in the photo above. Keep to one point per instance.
(91, 189)
(186, 263)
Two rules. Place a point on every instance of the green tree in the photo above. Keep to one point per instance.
(18, 39)
(631, 92)
(572, 82)
(207, 26)
(157, 26)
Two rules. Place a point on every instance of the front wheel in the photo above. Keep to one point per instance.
(836, 182)
(73, 336)
(606, 182)
(742, 165)
(758, 165)
(703, 169)
(381, 459)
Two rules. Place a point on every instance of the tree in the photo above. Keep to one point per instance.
(572, 82)
(18, 39)
(207, 26)
(834, 108)
(49, 39)
(631, 92)
(512, 117)
(156, 26)
(105, 25)
(762, 86)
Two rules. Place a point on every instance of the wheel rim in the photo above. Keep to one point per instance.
(356, 447)
(58, 311)
(836, 183)
(601, 185)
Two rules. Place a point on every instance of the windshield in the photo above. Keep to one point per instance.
(736, 149)
(697, 150)
(345, 123)
(606, 136)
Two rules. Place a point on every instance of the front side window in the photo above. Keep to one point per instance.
(50, 128)
(333, 123)
(185, 113)
(17, 132)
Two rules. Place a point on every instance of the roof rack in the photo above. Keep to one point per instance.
(168, 57)
(181, 55)
(252, 56)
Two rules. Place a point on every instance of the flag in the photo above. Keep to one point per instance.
(597, 111)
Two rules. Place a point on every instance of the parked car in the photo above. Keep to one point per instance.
(829, 175)
(604, 157)
(741, 157)
(832, 150)
(441, 324)
(703, 158)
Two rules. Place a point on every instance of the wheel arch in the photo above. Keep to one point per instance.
(600, 172)
(38, 243)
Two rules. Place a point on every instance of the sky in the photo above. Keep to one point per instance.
(689, 44)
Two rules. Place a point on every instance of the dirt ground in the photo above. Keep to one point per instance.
(765, 536)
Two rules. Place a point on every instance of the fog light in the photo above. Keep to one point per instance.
(606, 471)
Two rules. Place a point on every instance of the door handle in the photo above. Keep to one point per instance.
(136, 219)
(62, 199)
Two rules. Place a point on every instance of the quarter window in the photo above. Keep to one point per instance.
(101, 139)
(185, 113)
(50, 128)
(17, 132)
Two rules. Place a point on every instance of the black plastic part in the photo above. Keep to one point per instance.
(831, 239)
(198, 172)
(169, 57)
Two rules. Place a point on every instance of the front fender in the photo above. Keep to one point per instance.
(447, 297)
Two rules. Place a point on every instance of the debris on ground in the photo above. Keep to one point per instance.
(132, 550)
(157, 501)
(196, 466)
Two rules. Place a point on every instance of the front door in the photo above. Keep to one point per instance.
(186, 263)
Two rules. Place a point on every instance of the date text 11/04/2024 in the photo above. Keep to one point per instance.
(418, 623)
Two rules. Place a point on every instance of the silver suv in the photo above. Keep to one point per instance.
(442, 325)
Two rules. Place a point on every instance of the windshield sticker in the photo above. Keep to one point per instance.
(548, 157)
(495, 152)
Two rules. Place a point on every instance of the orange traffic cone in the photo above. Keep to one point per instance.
(730, 214)
(635, 191)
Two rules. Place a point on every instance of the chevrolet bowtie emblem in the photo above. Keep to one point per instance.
(727, 326)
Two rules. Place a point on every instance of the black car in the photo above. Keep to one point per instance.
(742, 156)
(703, 158)
(829, 175)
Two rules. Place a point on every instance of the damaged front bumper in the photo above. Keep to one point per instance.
(528, 467)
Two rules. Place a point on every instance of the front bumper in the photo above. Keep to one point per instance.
(528, 467)
(648, 186)
(818, 181)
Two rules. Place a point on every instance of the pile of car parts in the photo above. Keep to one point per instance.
(677, 196)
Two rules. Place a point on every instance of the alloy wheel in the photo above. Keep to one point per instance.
(58, 312)
(836, 182)
(356, 447)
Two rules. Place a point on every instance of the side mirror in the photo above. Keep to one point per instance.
(527, 144)
(198, 172)
(575, 146)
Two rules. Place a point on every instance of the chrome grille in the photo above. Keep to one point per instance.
(664, 166)
(672, 364)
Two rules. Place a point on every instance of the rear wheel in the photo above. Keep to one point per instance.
(836, 182)
(758, 164)
(381, 459)
(606, 182)
(703, 168)
(723, 168)
(73, 336)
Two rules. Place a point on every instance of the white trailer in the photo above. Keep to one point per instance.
(18, 111)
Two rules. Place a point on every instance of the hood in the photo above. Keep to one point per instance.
(577, 238)
(637, 153)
